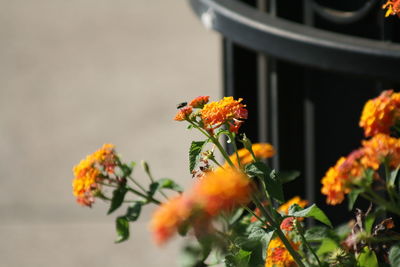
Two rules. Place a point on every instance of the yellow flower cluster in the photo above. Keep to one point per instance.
(87, 175)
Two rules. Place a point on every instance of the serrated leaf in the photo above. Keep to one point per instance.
(367, 258)
(117, 199)
(352, 197)
(394, 255)
(122, 227)
(194, 153)
(164, 183)
(133, 211)
(312, 212)
(288, 176)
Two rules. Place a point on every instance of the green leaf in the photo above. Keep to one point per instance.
(194, 153)
(393, 176)
(314, 212)
(126, 170)
(240, 259)
(288, 176)
(117, 199)
(394, 255)
(236, 216)
(122, 227)
(257, 169)
(271, 179)
(352, 197)
(133, 211)
(164, 183)
(258, 238)
(328, 245)
(369, 222)
(367, 258)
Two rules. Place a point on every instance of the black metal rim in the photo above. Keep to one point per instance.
(298, 43)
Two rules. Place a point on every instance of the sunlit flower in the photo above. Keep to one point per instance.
(169, 217)
(227, 110)
(284, 208)
(381, 148)
(183, 113)
(381, 113)
(393, 8)
(222, 190)
(337, 180)
(260, 150)
(199, 101)
(88, 175)
(278, 255)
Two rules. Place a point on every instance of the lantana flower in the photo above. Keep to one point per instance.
(87, 175)
(278, 255)
(393, 8)
(381, 113)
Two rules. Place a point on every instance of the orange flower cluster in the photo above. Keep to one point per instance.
(393, 8)
(169, 217)
(381, 113)
(221, 190)
(287, 223)
(227, 110)
(87, 175)
(199, 101)
(183, 113)
(278, 255)
(379, 149)
(260, 150)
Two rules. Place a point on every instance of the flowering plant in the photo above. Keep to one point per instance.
(236, 211)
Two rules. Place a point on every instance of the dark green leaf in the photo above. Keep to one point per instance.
(126, 170)
(194, 153)
(314, 212)
(352, 197)
(367, 258)
(274, 186)
(394, 255)
(117, 199)
(164, 183)
(288, 176)
(239, 259)
(122, 227)
(393, 177)
(133, 211)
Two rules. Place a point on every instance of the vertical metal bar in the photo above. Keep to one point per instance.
(274, 97)
(309, 119)
(262, 88)
(228, 67)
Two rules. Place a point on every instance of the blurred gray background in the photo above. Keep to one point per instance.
(77, 74)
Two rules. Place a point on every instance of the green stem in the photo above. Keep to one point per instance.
(148, 172)
(137, 184)
(215, 141)
(148, 198)
(300, 231)
(280, 234)
(377, 199)
(233, 141)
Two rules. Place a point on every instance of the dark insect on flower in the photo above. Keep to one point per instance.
(181, 105)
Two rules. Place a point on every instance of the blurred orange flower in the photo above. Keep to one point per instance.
(169, 217)
(284, 208)
(199, 101)
(222, 190)
(261, 151)
(379, 149)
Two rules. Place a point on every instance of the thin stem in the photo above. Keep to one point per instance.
(300, 231)
(148, 172)
(233, 141)
(148, 198)
(280, 234)
(255, 215)
(137, 184)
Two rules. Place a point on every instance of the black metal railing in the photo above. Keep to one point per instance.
(305, 69)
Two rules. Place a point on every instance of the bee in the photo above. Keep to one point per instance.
(181, 105)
